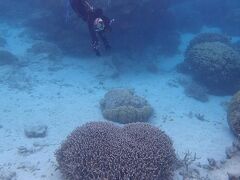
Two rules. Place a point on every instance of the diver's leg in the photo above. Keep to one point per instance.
(105, 41)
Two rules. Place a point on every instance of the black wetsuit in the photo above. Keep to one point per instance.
(88, 13)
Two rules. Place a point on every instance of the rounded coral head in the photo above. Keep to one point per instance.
(103, 150)
(124, 106)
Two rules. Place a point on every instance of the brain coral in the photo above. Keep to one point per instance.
(234, 114)
(216, 65)
(105, 151)
(122, 105)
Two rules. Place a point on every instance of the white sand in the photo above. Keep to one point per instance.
(69, 97)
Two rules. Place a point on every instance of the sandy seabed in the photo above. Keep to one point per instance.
(65, 93)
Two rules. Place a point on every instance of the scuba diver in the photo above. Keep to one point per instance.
(97, 22)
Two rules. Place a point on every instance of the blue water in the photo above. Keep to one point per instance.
(50, 76)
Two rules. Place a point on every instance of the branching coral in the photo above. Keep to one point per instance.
(188, 171)
(102, 150)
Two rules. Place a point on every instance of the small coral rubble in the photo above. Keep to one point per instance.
(39, 131)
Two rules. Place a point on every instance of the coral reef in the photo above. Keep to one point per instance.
(234, 114)
(209, 37)
(7, 58)
(203, 38)
(215, 65)
(233, 154)
(102, 150)
(187, 171)
(222, 169)
(122, 105)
